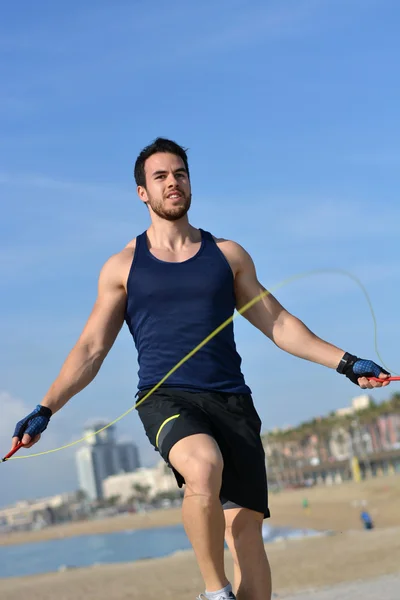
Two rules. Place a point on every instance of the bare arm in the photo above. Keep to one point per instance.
(86, 357)
(287, 331)
(269, 316)
(96, 339)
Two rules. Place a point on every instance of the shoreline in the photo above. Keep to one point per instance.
(119, 523)
(297, 565)
(335, 508)
(347, 554)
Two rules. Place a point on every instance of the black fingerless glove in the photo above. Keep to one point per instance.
(354, 367)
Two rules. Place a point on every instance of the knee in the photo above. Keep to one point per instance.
(244, 529)
(203, 473)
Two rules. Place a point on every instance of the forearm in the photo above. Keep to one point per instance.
(291, 335)
(79, 369)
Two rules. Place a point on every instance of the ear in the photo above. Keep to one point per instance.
(141, 191)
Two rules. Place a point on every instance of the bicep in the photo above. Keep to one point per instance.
(107, 315)
(256, 304)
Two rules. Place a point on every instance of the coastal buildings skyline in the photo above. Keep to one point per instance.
(102, 456)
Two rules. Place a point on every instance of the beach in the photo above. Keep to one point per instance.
(348, 554)
(330, 508)
(382, 587)
(307, 564)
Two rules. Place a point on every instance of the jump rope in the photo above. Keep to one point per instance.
(210, 337)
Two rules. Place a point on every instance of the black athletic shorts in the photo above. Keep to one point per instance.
(169, 415)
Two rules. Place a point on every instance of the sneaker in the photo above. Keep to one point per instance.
(226, 596)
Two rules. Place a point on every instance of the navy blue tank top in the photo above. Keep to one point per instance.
(172, 307)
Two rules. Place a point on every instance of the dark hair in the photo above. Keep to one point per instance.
(159, 145)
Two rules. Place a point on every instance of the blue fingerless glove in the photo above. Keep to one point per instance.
(354, 367)
(35, 423)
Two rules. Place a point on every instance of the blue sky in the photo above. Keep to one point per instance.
(288, 109)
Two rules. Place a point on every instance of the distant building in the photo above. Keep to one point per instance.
(89, 482)
(358, 403)
(387, 432)
(365, 444)
(128, 456)
(101, 457)
(361, 402)
(157, 479)
(38, 513)
(343, 412)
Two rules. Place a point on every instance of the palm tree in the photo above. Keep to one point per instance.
(81, 495)
(113, 500)
(141, 492)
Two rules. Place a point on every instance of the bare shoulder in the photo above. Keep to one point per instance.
(116, 269)
(234, 253)
(131, 245)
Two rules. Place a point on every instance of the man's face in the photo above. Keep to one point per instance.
(167, 191)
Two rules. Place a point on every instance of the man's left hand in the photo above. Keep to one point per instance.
(358, 370)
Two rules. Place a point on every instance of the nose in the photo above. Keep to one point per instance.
(171, 180)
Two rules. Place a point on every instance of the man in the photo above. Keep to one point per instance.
(173, 285)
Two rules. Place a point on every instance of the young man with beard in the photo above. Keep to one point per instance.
(173, 285)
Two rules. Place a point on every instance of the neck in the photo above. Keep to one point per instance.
(171, 235)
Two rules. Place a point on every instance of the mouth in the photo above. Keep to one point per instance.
(174, 196)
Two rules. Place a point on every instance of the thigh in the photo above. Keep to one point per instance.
(197, 457)
(168, 418)
(244, 482)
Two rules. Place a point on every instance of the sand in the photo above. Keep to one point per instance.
(382, 587)
(296, 565)
(349, 554)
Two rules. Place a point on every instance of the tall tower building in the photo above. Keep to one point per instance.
(102, 456)
(129, 459)
(87, 476)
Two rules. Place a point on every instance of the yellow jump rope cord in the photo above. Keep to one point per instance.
(213, 334)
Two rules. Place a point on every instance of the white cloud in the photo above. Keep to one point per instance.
(12, 410)
(52, 473)
(37, 476)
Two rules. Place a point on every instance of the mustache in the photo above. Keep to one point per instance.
(173, 191)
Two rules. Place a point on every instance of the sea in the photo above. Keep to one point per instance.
(123, 546)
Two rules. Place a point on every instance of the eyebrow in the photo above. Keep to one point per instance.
(180, 170)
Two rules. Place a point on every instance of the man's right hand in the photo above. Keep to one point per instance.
(29, 429)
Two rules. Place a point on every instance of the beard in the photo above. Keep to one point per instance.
(170, 214)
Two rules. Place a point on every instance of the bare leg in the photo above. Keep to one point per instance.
(198, 459)
(251, 567)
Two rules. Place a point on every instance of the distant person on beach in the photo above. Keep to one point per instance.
(366, 520)
(173, 285)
